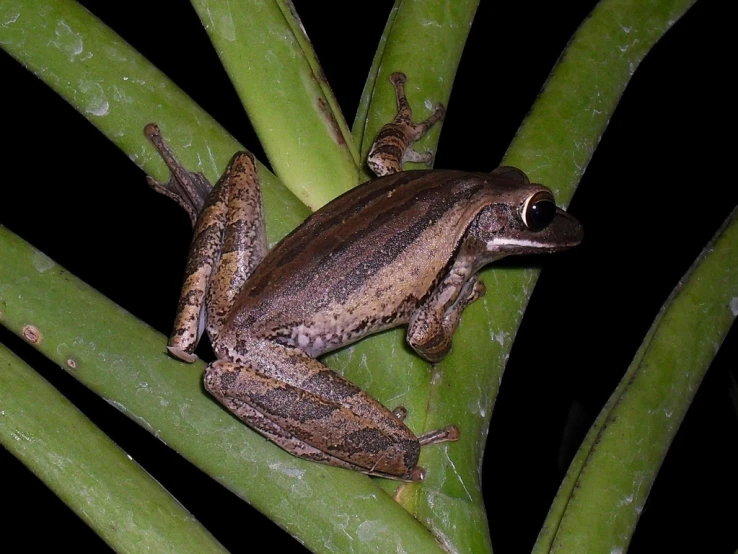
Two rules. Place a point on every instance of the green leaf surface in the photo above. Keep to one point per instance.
(88, 471)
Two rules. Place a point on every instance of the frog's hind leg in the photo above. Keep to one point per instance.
(228, 243)
(264, 423)
(393, 145)
(243, 240)
(312, 411)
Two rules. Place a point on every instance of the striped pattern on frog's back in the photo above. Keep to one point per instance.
(363, 262)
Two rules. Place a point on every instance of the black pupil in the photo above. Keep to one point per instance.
(540, 214)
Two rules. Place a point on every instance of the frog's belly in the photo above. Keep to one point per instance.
(335, 326)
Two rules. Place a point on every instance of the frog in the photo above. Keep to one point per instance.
(404, 249)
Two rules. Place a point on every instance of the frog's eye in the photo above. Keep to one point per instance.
(538, 210)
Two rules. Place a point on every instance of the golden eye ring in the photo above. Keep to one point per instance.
(538, 210)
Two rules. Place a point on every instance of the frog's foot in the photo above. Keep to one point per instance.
(418, 157)
(189, 190)
(392, 147)
(473, 290)
(450, 433)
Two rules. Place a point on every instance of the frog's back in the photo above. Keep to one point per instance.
(363, 262)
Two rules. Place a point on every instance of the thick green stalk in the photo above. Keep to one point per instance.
(119, 92)
(89, 472)
(425, 41)
(602, 496)
(272, 65)
(553, 145)
(125, 362)
(558, 137)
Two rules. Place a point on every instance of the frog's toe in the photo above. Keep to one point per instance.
(181, 354)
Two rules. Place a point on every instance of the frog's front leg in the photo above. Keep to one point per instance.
(392, 147)
(313, 413)
(432, 325)
(228, 243)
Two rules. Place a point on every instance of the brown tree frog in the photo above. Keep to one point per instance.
(403, 249)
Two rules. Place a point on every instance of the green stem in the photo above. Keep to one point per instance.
(604, 491)
(553, 145)
(89, 472)
(276, 74)
(425, 41)
(558, 137)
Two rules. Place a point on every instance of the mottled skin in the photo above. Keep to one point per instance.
(392, 146)
(403, 249)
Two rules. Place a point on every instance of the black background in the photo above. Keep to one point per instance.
(658, 187)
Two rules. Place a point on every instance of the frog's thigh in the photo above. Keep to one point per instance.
(292, 366)
(228, 243)
(267, 427)
(308, 421)
(243, 239)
